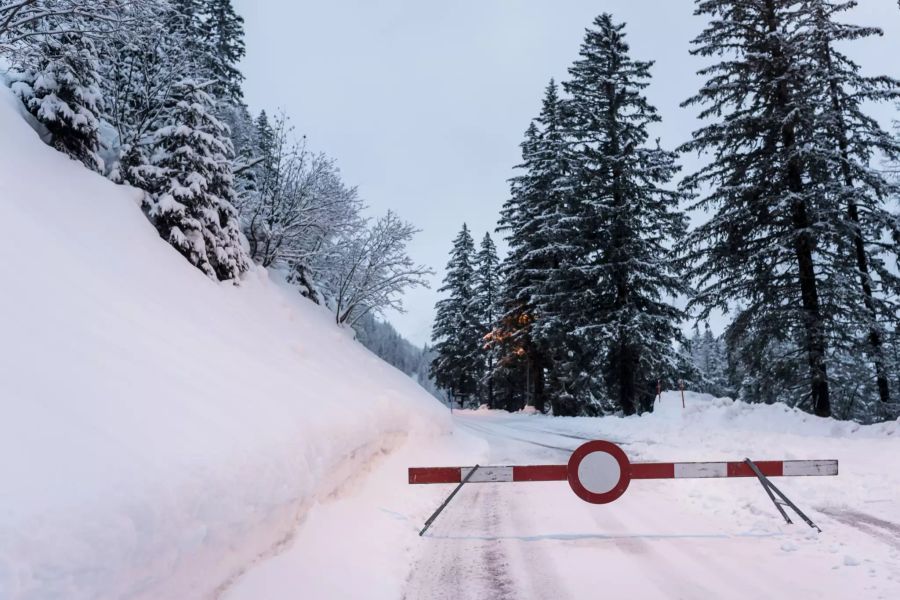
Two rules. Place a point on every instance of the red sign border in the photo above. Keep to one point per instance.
(589, 448)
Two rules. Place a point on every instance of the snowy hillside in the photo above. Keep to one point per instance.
(159, 430)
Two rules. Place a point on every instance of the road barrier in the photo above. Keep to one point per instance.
(599, 472)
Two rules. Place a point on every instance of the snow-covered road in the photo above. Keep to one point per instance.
(538, 540)
(663, 539)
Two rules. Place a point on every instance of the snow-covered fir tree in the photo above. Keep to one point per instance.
(223, 32)
(527, 333)
(710, 359)
(758, 249)
(796, 246)
(456, 332)
(623, 224)
(56, 74)
(850, 140)
(191, 192)
(487, 297)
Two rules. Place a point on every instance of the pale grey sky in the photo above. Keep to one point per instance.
(424, 102)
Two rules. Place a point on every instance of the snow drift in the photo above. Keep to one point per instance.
(160, 431)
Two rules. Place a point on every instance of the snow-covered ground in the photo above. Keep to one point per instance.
(159, 431)
(688, 539)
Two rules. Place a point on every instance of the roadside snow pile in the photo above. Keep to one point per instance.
(160, 431)
(708, 411)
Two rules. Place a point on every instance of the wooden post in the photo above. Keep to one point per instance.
(681, 387)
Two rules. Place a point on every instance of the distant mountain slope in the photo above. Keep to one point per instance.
(381, 338)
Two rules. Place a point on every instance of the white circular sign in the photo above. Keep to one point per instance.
(599, 472)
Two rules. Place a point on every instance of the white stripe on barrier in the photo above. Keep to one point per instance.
(810, 467)
(700, 469)
(488, 474)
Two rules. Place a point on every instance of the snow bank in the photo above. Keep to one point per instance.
(159, 431)
(724, 413)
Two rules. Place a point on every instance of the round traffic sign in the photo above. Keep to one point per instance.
(599, 472)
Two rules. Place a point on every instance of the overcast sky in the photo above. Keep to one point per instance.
(424, 102)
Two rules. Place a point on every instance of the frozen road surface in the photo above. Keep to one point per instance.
(685, 539)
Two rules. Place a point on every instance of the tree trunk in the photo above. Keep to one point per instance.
(812, 318)
(862, 260)
(537, 381)
(534, 382)
(490, 387)
(803, 243)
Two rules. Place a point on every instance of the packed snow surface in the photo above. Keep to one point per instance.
(160, 431)
(684, 539)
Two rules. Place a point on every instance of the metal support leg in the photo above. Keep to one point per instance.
(446, 502)
(784, 501)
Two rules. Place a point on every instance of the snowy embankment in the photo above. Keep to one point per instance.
(160, 431)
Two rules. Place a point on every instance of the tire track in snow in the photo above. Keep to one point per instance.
(885, 531)
(459, 567)
(493, 432)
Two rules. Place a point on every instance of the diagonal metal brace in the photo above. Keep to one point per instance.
(784, 500)
(446, 502)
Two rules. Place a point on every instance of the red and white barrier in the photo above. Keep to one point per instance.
(679, 470)
(599, 471)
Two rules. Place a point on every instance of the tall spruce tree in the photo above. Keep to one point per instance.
(850, 140)
(191, 191)
(456, 333)
(487, 296)
(530, 331)
(624, 223)
(625, 220)
(223, 33)
(759, 247)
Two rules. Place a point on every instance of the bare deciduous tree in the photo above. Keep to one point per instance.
(374, 270)
(298, 203)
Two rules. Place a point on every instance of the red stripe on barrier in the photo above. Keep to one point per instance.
(652, 470)
(540, 473)
(435, 475)
(769, 468)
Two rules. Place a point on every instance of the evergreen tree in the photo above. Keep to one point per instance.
(759, 247)
(530, 331)
(223, 32)
(191, 195)
(710, 361)
(57, 78)
(242, 127)
(622, 223)
(850, 139)
(456, 333)
(487, 292)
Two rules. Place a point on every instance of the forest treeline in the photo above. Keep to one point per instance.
(798, 248)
